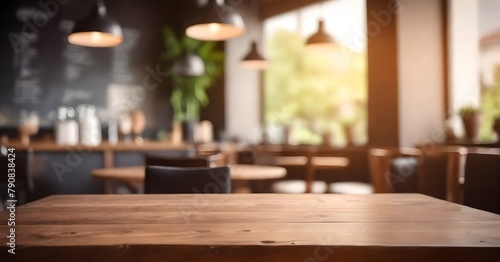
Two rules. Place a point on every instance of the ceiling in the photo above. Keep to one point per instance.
(269, 8)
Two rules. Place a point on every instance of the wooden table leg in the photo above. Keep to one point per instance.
(456, 165)
(241, 187)
(131, 186)
(310, 175)
(110, 187)
(109, 159)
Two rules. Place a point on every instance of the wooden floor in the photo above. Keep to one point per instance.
(257, 227)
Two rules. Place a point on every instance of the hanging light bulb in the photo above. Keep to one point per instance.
(189, 65)
(321, 40)
(97, 29)
(216, 22)
(254, 60)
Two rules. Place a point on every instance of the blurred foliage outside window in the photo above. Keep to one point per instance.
(490, 106)
(311, 94)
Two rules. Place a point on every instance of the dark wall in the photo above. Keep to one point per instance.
(40, 71)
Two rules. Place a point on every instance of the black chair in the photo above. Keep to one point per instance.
(177, 180)
(184, 161)
(482, 182)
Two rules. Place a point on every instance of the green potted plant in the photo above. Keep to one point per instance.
(194, 66)
(496, 124)
(471, 119)
(495, 118)
(351, 115)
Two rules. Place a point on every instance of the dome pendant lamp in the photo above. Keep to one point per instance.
(216, 22)
(189, 65)
(254, 59)
(321, 40)
(97, 29)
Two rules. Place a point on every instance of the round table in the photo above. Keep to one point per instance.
(135, 174)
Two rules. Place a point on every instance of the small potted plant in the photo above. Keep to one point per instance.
(194, 66)
(471, 119)
(496, 123)
(351, 115)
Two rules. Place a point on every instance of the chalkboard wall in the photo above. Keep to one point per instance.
(40, 70)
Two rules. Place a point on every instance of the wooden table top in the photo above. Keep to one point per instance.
(238, 172)
(252, 227)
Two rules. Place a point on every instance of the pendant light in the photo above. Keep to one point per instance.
(216, 22)
(97, 29)
(189, 65)
(254, 59)
(321, 40)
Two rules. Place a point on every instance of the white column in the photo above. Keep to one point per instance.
(464, 53)
(243, 108)
(421, 86)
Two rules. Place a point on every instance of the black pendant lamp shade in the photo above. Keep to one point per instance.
(254, 60)
(320, 40)
(216, 22)
(97, 29)
(189, 65)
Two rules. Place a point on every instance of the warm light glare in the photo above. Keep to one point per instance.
(255, 64)
(213, 28)
(94, 39)
(321, 47)
(214, 32)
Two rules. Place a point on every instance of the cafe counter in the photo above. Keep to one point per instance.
(56, 169)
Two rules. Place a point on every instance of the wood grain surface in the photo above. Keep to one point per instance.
(251, 227)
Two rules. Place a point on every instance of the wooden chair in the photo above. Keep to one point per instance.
(482, 181)
(224, 154)
(434, 171)
(175, 180)
(440, 172)
(382, 167)
(345, 170)
(245, 157)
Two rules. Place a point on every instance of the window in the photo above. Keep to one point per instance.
(489, 63)
(311, 96)
(474, 45)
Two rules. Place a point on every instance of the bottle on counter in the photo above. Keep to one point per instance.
(138, 120)
(66, 127)
(125, 127)
(204, 132)
(30, 123)
(90, 126)
(113, 132)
